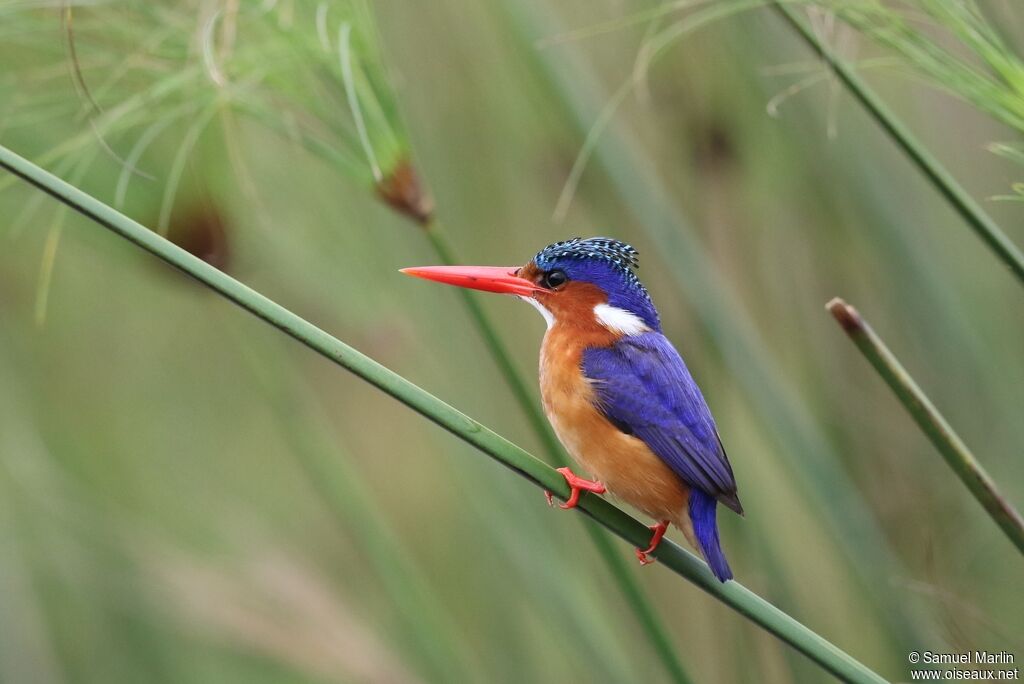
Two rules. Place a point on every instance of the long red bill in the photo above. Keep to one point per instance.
(502, 279)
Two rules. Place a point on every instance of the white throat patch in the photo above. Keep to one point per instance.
(549, 317)
(619, 320)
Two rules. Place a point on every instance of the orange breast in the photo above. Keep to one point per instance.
(625, 464)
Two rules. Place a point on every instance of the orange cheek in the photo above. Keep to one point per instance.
(574, 302)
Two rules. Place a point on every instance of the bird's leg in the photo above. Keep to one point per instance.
(576, 484)
(659, 532)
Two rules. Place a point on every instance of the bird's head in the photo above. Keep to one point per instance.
(576, 282)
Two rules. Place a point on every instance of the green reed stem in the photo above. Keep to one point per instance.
(646, 615)
(628, 584)
(672, 556)
(965, 205)
(617, 564)
(928, 418)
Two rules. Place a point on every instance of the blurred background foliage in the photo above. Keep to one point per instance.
(186, 496)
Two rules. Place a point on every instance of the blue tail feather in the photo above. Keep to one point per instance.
(705, 527)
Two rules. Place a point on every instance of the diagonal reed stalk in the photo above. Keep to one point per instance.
(616, 562)
(733, 594)
(371, 147)
(939, 432)
(943, 181)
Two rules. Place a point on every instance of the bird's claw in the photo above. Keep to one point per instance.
(659, 532)
(576, 484)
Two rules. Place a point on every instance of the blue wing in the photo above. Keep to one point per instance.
(644, 388)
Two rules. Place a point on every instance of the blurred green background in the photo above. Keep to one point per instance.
(188, 496)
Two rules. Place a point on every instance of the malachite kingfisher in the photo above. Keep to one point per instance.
(616, 391)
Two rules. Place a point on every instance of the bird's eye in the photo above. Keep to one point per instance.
(554, 279)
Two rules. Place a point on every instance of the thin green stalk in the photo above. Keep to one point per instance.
(965, 205)
(626, 580)
(621, 573)
(616, 562)
(408, 198)
(672, 556)
(425, 622)
(928, 418)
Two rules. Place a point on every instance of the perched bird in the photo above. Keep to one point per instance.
(616, 391)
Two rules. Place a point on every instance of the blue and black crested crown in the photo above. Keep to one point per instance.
(615, 252)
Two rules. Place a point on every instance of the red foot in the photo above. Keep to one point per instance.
(577, 484)
(659, 532)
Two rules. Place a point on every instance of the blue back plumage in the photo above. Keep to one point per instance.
(642, 383)
(644, 388)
